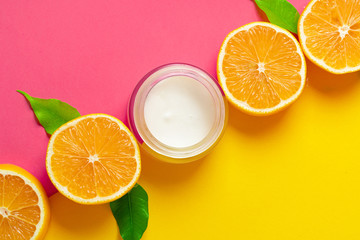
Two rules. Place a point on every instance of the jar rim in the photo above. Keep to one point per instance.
(137, 101)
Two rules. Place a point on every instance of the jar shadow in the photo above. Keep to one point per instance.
(163, 173)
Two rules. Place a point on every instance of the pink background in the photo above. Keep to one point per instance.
(91, 54)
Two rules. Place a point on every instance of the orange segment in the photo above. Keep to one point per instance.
(261, 68)
(24, 209)
(22, 229)
(29, 214)
(93, 159)
(329, 32)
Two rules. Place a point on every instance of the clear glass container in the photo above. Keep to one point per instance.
(161, 150)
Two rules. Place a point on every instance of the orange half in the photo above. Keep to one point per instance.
(261, 68)
(93, 159)
(24, 208)
(329, 33)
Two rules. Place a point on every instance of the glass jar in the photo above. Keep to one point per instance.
(177, 73)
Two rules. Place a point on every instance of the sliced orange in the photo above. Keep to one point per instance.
(93, 159)
(24, 208)
(261, 68)
(329, 33)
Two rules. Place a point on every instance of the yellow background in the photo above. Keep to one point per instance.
(293, 175)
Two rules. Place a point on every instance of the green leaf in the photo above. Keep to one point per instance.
(51, 113)
(131, 213)
(281, 13)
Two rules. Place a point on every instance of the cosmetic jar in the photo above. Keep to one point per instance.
(178, 113)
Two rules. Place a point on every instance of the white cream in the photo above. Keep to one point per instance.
(179, 111)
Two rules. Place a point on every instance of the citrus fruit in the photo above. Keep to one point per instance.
(24, 208)
(261, 68)
(93, 159)
(329, 33)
